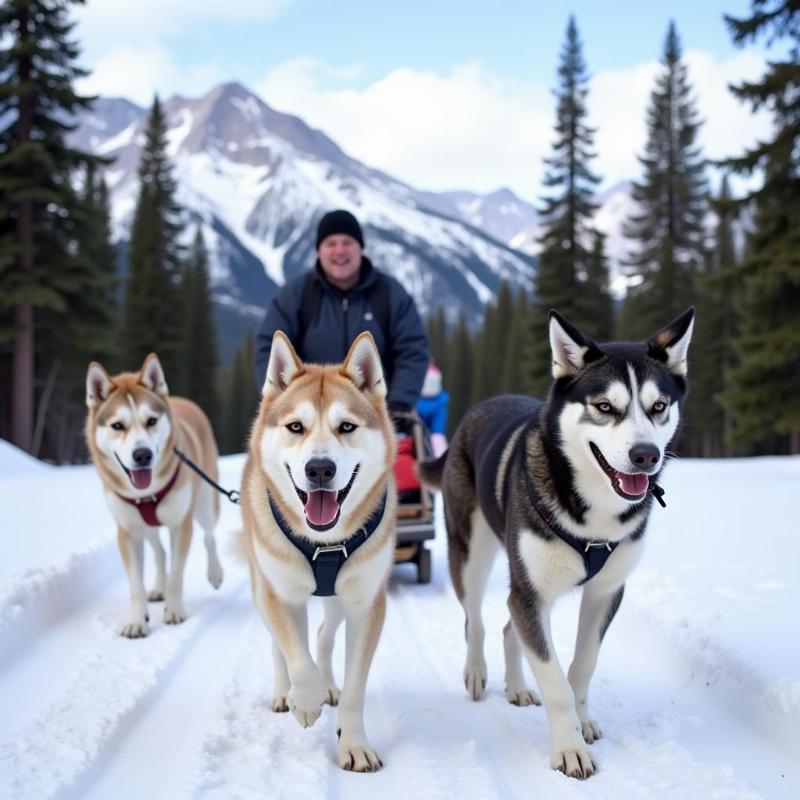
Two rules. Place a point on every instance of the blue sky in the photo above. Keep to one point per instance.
(443, 94)
(513, 38)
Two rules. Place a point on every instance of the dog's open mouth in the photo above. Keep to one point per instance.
(140, 478)
(631, 487)
(323, 507)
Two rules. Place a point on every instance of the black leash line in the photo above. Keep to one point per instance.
(231, 494)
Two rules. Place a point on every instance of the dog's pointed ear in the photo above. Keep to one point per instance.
(98, 385)
(284, 365)
(151, 375)
(671, 343)
(571, 350)
(363, 365)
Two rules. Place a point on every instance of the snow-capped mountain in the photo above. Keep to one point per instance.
(501, 214)
(257, 181)
(507, 217)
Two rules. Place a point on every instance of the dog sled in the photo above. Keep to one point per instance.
(415, 524)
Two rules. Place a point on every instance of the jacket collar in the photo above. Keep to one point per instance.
(366, 277)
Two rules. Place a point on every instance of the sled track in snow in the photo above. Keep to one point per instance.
(185, 713)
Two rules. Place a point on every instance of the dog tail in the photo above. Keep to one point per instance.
(430, 472)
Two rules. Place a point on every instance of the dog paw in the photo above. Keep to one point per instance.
(590, 730)
(331, 695)
(215, 574)
(574, 762)
(475, 680)
(522, 697)
(174, 617)
(359, 758)
(135, 630)
(155, 595)
(306, 704)
(280, 704)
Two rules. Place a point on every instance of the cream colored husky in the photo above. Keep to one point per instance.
(132, 431)
(318, 502)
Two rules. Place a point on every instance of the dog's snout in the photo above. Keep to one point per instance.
(142, 456)
(644, 455)
(320, 471)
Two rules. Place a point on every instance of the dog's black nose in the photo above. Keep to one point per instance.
(644, 455)
(320, 472)
(142, 456)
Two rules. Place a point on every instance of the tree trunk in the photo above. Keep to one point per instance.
(44, 402)
(22, 367)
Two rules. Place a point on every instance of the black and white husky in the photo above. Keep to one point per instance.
(567, 486)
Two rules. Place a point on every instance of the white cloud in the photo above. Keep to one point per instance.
(463, 129)
(469, 129)
(618, 100)
(138, 72)
(142, 21)
(126, 43)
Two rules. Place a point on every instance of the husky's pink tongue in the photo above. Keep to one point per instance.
(633, 484)
(141, 478)
(321, 507)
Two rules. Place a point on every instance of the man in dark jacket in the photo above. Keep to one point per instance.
(322, 312)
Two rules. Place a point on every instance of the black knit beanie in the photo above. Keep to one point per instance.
(339, 222)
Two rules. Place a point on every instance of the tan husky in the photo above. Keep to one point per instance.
(133, 429)
(318, 502)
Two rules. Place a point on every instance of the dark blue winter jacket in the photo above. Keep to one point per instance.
(340, 317)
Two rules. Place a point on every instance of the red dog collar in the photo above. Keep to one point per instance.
(147, 505)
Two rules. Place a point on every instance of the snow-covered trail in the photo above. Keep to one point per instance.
(185, 713)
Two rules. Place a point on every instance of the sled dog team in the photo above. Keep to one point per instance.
(564, 486)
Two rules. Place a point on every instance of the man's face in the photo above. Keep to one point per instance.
(340, 257)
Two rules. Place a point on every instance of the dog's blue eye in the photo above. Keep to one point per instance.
(117, 426)
(347, 427)
(659, 406)
(295, 427)
(152, 421)
(604, 408)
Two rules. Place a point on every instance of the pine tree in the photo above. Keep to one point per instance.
(764, 388)
(667, 231)
(485, 349)
(199, 334)
(151, 315)
(565, 256)
(240, 400)
(458, 372)
(513, 379)
(595, 303)
(711, 363)
(96, 248)
(437, 335)
(41, 276)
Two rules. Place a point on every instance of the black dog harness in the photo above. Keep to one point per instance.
(327, 559)
(594, 552)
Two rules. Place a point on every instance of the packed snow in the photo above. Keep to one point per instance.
(697, 689)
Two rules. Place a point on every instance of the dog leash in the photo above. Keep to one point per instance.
(231, 494)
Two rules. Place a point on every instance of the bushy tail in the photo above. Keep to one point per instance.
(430, 472)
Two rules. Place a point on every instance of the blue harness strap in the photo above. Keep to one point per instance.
(326, 560)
